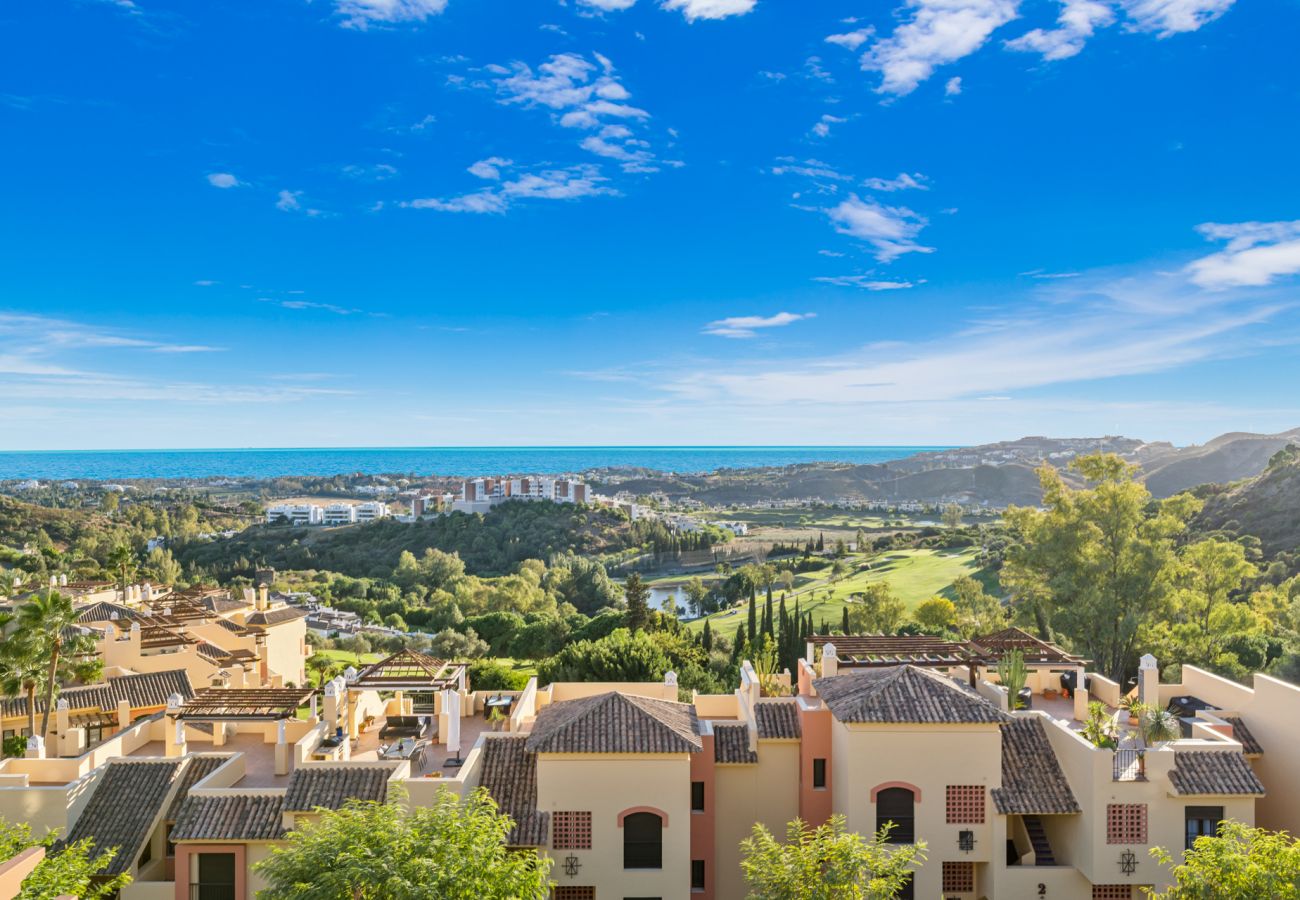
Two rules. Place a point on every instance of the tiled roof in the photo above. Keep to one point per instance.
(616, 723)
(211, 651)
(1032, 780)
(103, 612)
(221, 604)
(777, 718)
(510, 777)
(1249, 745)
(1213, 772)
(275, 616)
(199, 768)
(904, 694)
(731, 744)
(232, 626)
(230, 817)
(141, 690)
(123, 808)
(333, 786)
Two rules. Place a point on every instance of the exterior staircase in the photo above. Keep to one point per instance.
(1038, 840)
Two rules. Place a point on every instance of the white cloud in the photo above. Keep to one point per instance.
(1257, 253)
(1077, 22)
(223, 180)
(903, 182)
(748, 326)
(1170, 17)
(308, 304)
(952, 87)
(608, 5)
(552, 184)
(710, 9)
(851, 40)
(809, 168)
(891, 230)
(291, 201)
(489, 169)
(939, 32)
(866, 282)
(823, 126)
(361, 14)
(584, 95)
(377, 172)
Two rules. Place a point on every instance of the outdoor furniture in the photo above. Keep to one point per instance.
(1026, 697)
(501, 703)
(404, 726)
(403, 749)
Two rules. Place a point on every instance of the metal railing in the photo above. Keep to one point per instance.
(212, 892)
(1128, 765)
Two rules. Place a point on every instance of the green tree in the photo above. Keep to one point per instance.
(826, 863)
(72, 871)
(1206, 577)
(49, 622)
(1095, 563)
(637, 595)
(952, 516)
(977, 611)
(696, 593)
(936, 615)
(21, 670)
(878, 611)
(449, 850)
(1240, 863)
(121, 559)
(622, 656)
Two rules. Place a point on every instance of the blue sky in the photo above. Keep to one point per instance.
(467, 222)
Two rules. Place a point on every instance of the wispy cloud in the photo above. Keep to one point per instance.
(952, 87)
(851, 40)
(939, 32)
(1077, 22)
(569, 183)
(890, 230)
(1257, 253)
(223, 180)
(748, 326)
(365, 14)
(711, 9)
(904, 182)
(291, 201)
(311, 304)
(1169, 17)
(823, 126)
(867, 282)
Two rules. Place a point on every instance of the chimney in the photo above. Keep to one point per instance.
(262, 596)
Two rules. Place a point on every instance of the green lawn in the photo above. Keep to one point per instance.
(914, 575)
(348, 658)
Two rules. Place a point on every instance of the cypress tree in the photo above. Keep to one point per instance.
(768, 628)
(738, 648)
(753, 614)
(821, 542)
(845, 625)
(706, 638)
(638, 602)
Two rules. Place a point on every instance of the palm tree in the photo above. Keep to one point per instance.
(122, 559)
(21, 668)
(49, 623)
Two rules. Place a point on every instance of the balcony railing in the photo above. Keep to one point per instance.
(212, 892)
(1128, 765)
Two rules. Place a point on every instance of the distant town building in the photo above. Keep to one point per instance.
(481, 494)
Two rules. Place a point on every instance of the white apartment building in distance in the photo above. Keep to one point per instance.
(481, 494)
(300, 514)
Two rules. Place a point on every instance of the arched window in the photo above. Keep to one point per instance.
(895, 804)
(643, 841)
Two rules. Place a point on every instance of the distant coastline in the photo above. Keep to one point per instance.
(447, 461)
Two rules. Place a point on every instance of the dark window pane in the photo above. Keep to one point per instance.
(697, 874)
(697, 796)
(642, 841)
(819, 773)
(896, 805)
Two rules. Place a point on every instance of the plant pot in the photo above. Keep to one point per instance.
(1133, 720)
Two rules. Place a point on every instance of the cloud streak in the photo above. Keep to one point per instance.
(748, 326)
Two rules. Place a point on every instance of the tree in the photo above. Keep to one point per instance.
(1239, 863)
(637, 596)
(494, 675)
(121, 559)
(936, 615)
(1095, 563)
(49, 622)
(878, 612)
(623, 656)
(706, 636)
(952, 516)
(325, 668)
(696, 593)
(1206, 577)
(977, 611)
(21, 670)
(826, 863)
(72, 871)
(449, 850)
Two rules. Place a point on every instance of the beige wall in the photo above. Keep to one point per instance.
(122, 650)
(746, 794)
(286, 650)
(607, 785)
(931, 757)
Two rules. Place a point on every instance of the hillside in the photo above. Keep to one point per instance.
(1266, 506)
(1227, 458)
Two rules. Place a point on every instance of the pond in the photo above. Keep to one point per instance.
(659, 594)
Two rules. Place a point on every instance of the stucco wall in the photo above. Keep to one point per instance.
(747, 794)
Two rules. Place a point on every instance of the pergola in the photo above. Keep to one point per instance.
(1037, 652)
(179, 608)
(878, 651)
(407, 670)
(159, 631)
(245, 704)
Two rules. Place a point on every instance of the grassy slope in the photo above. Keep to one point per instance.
(914, 575)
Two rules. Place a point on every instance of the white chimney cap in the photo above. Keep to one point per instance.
(670, 679)
(350, 674)
(62, 704)
(1147, 662)
(175, 701)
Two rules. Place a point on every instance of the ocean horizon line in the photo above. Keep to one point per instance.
(489, 447)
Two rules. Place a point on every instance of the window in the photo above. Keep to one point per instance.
(1202, 821)
(216, 877)
(819, 774)
(574, 892)
(147, 853)
(966, 804)
(1126, 823)
(643, 841)
(697, 874)
(571, 830)
(908, 890)
(895, 805)
(958, 877)
(697, 796)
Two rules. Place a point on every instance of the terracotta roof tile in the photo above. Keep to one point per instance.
(274, 616)
(616, 723)
(731, 743)
(510, 776)
(332, 786)
(1213, 772)
(141, 690)
(123, 808)
(199, 768)
(778, 718)
(1249, 745)
(1032, 780)
(904, 694)
(230, 817)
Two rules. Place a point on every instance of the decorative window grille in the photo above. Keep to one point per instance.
(1112, 892)
(571, 830)
(1126, 823)
(574, 892)
(958, 877)
(965, 804)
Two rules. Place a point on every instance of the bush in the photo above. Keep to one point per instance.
(494, 675)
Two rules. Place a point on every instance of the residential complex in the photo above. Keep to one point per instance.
(481, 494)
(334, 514)
(637, 794)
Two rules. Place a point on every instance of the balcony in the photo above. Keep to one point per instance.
(1128, 765)
(212, 892)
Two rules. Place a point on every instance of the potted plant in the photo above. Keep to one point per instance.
(1099, 729)
(495, 718)
(1133, 706)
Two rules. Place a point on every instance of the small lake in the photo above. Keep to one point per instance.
(659, 594)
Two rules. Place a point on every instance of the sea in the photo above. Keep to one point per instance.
(107, 465)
